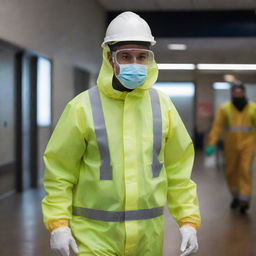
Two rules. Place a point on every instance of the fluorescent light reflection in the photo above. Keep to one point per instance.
(176, 66)
(202, 66)
(176, 89)
(226, 66)
(221, 86)
(177, 47)
(44, 92)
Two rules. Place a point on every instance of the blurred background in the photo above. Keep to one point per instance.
(51, 50)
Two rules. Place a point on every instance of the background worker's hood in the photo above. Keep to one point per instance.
(105, 77)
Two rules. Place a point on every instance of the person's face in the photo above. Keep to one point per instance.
(238, 93)
(125, 54)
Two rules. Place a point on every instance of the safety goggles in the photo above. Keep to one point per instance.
(133, 56)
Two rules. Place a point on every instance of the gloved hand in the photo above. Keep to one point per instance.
(61, 241)
(210, 150)
(189, 240)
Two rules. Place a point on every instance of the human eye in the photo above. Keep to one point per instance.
(142, 57)
(125, 56)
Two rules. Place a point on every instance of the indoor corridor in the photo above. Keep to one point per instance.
(223, 232)
(195, 52)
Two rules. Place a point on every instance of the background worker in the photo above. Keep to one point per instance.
(237, 119)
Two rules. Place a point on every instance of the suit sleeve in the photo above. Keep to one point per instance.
(62, 160)
(217, 127)
(179, 157)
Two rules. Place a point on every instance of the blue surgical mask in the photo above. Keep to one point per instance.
(132, 76)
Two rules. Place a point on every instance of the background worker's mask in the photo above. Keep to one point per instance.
(132, 66)
(239, 102)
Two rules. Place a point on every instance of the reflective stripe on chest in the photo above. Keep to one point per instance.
(102, 139)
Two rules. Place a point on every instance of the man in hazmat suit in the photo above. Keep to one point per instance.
(118, 154)
(237, 118)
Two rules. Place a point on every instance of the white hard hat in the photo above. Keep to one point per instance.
(128, 26)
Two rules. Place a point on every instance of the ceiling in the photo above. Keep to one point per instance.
(207, 50)
(199, 50)
(168, 5)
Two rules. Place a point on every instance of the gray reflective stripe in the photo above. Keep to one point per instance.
(244, 198)
(239, 128)
(101, 134)
(157, 131)
(116, 216)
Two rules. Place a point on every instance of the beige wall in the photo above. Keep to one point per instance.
(67, 31)
(71, 29)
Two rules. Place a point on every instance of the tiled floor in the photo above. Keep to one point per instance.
(223, 232)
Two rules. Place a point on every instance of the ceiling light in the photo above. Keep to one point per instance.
(229, 78)
(226, 66)
(177, 47)
(221, 86)
(176, 66)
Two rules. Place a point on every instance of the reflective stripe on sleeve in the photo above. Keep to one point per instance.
(239, 128)
(244, 198)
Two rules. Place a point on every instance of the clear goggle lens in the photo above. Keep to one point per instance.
(134, 56)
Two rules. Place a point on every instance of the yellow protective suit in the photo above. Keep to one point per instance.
(239, 145)
(72, 176)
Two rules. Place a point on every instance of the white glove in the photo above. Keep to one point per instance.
(189, 240)
(61, 240)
